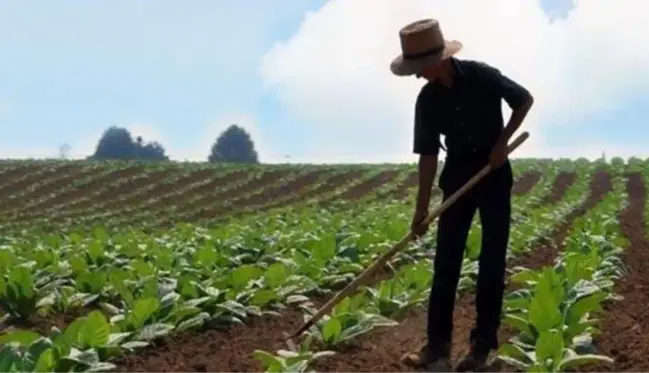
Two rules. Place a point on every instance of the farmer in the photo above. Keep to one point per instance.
(462, 101)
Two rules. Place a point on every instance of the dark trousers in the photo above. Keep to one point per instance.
(492, 199)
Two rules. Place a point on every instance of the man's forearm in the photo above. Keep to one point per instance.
(516, 120)
(427, 172)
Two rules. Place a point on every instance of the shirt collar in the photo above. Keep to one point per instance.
(460, 75)
(459, 70)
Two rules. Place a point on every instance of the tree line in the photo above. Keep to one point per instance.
(234, 145)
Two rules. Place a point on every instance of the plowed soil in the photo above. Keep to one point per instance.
(49, 186)
(625, 328)
(211, 210)
(338, 180)
(526, 183)
(11, 175)
(403, 189)
(273, 193)
(231, 349)
(561, 184)
(106, 199)
(364, 188)
(65, 197)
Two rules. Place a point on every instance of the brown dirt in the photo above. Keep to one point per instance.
(231, 349)
(214, 350)
(51, 186)
(207, 188)
(11, 175)
(363, 188)
(108, 197)
(160, 187)
(332, 183)
(43, 323)
(267, 195)
(210, 209)
(561, 184)
(76, 192)
(402, 191)
(102, 187)
(14, 184)
(209, 191)
(168, 191)
(625, 327)
(526, 183)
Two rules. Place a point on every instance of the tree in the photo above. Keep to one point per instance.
(234, 145)
(64, 151)
(117, 143)
(152, 151)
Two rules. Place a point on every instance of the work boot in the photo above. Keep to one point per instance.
(475, 360)
(431, 358)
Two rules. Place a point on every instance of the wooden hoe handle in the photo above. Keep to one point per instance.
(359, 280)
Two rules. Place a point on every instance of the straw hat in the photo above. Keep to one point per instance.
(422, 44)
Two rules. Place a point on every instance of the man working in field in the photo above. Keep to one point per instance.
(462, 101)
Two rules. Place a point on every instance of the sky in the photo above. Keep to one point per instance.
(309, 79)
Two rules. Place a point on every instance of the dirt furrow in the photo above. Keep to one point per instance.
(231, 349)
(107, 200)
(332, 183)
(403, 189)
(363, 188)
(76, 192)
(167, 194)
(206, 194)
(34, 178)
(625, 326)
(526, 183)
(562, 182)
(51, 187)
(160, 187)
(210, 209)
(267, 195)
(15, 173)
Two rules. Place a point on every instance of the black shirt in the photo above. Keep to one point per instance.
(468, 114)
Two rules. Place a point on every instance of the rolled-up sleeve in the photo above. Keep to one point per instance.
(426, 136)
(512, 92)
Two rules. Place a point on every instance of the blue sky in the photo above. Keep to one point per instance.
(179, 74)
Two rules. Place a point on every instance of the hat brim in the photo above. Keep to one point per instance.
(403, 67)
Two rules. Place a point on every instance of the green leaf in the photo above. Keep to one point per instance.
(22, 337)
(270, 362)
(331, 330)
(519, 323)
(544, 313)
(538, 367)
(579, 360)
(142, 311)
(241, 276)
(95, 331)
(549, 346)
(276, 274)
(585, 305)
(46, 361)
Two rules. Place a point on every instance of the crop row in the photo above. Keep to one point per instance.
(158, 196)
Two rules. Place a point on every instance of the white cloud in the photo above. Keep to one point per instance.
(333, 73)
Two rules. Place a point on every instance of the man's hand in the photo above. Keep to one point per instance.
(498, 154)
(417, 228)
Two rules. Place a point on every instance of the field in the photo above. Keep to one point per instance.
(192, 267)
